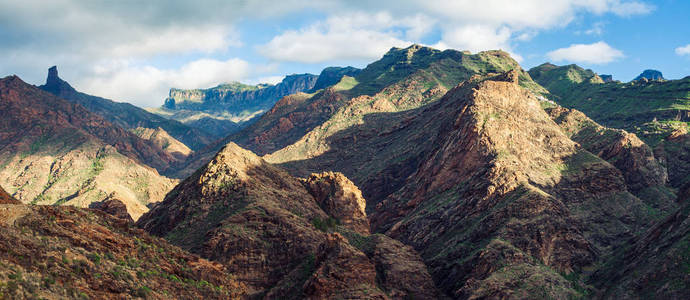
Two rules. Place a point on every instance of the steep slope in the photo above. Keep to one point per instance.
(482, 183)
(51, 252)
(645, 175)
(161, 139)
(506, 199)
(53, 151)
(658, 112)
(126, 115)
(279, 238)
(231, 104)
(402, 80)
(654, 265)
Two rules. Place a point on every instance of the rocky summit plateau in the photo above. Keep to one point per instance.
(426, 174)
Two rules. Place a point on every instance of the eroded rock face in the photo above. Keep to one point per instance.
(339, 198)
(114, 208)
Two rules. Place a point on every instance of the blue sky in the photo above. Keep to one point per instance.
(135, 51)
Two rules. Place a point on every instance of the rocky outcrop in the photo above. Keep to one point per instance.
(650, 75)
(114, 208)
(125, 115)
(70, 253)
(267, 227)
(340, 198)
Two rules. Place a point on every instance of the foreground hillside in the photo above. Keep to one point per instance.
(51, 252)
(53, 151)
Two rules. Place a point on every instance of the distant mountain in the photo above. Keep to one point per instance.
(223, 109)
(53, 151)
(650, 75)
(126, 115)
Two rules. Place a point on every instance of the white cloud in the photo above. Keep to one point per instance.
(357, 36)
(685, 50)
(596, 53)
(147, 85)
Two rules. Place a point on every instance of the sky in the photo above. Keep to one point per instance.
(135, 51)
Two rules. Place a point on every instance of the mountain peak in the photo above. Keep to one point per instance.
(54, 83)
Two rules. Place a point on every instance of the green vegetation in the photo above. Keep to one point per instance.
(326, 224)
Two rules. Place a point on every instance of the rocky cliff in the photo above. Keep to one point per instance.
(229, 106)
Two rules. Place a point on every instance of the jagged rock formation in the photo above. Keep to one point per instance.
(229, 105)
(114, 208)
(70, 253)
(161, 139)
(267, 228)
(340, 198)
(125, 115)
(650, 75)
(57, 152)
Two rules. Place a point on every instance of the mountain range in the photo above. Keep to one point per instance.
(427, 174)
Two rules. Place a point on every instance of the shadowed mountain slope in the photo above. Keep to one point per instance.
(126, 115)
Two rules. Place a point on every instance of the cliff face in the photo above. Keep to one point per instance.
(125, 115)
(228, 107)
(267, 227)
(71, 253)
(57, 152)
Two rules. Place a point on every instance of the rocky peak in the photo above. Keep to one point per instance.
(113, 207)
(340, 198)
(650, 75)
(54, 83)
(606, 78)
